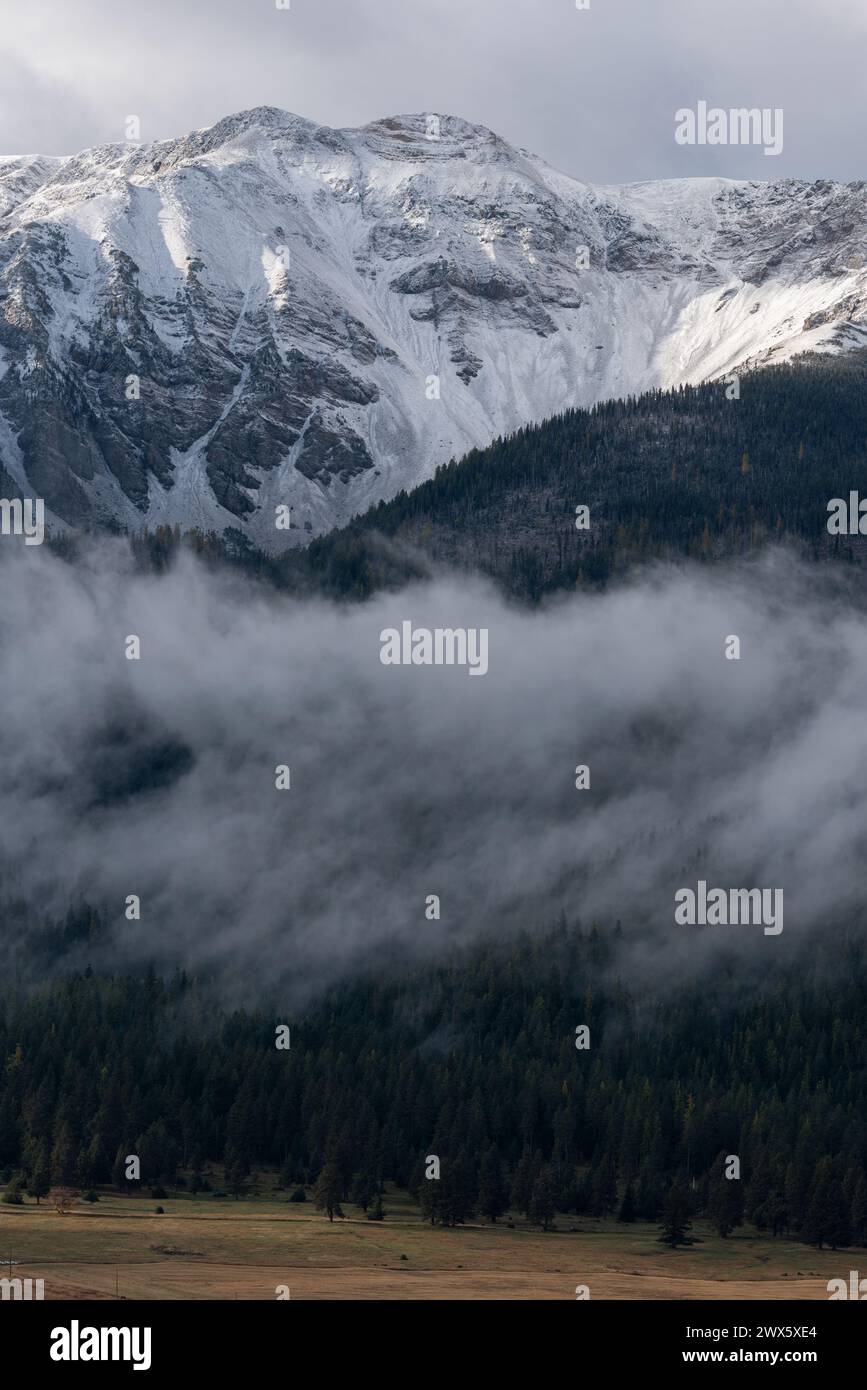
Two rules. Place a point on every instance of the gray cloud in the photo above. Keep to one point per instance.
(594, 92)
(414, 781)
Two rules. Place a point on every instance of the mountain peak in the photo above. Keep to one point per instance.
(431, 134)
(293, 300)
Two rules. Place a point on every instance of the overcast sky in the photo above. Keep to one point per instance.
(592, 91)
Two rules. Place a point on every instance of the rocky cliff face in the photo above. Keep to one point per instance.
(272, 313)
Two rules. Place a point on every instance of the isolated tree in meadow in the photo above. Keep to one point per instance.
(40, 1178)
(675, 1216)
(39, 1185)
(328, 1189)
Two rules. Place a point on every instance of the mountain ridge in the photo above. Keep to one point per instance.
(315, 319)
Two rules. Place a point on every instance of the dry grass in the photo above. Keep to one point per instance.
(210, 1248)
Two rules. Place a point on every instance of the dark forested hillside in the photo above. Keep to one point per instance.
(684, 473)
(670, 475)
(474, 1061)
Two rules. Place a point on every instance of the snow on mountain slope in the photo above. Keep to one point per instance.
(285, 295)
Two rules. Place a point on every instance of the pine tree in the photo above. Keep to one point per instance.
(827, 1218)
(627, 1206)
(362, 1190)
(777, 1212)
(493, 1196)
(647, 1200)
(604, 1189)
(40, 1179)
(797, 1190)
(859, 1209)
(457, 1191)
(327, 1190)
(430, 1196)
(522, 1182)
(543, 1199)
(675, 1216)
(755, 1206)
(64, 1156)
(725, 1206)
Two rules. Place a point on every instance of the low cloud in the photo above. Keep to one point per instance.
(157, 777)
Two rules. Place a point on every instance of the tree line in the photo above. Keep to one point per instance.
(472, 1062)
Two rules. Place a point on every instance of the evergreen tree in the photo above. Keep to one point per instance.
(64, 1156)
(493, 1196)
(859, 1209)
(725, 1205)
(827, 1219)
(40, 1178)
(458, 1191)
(627, 1206)
(675, 1216)
(362, 1190)
(522, 1182)
(648, 1198)
(758, 1192)
(327, 1190)
(432, 1200)
(604, 1188)
(542, 1201)
(777, 1212)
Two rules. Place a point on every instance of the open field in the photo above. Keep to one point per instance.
(219, 1248)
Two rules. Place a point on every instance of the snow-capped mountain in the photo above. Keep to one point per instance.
(272, 312)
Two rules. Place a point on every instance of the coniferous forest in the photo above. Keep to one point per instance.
(474, 1060)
